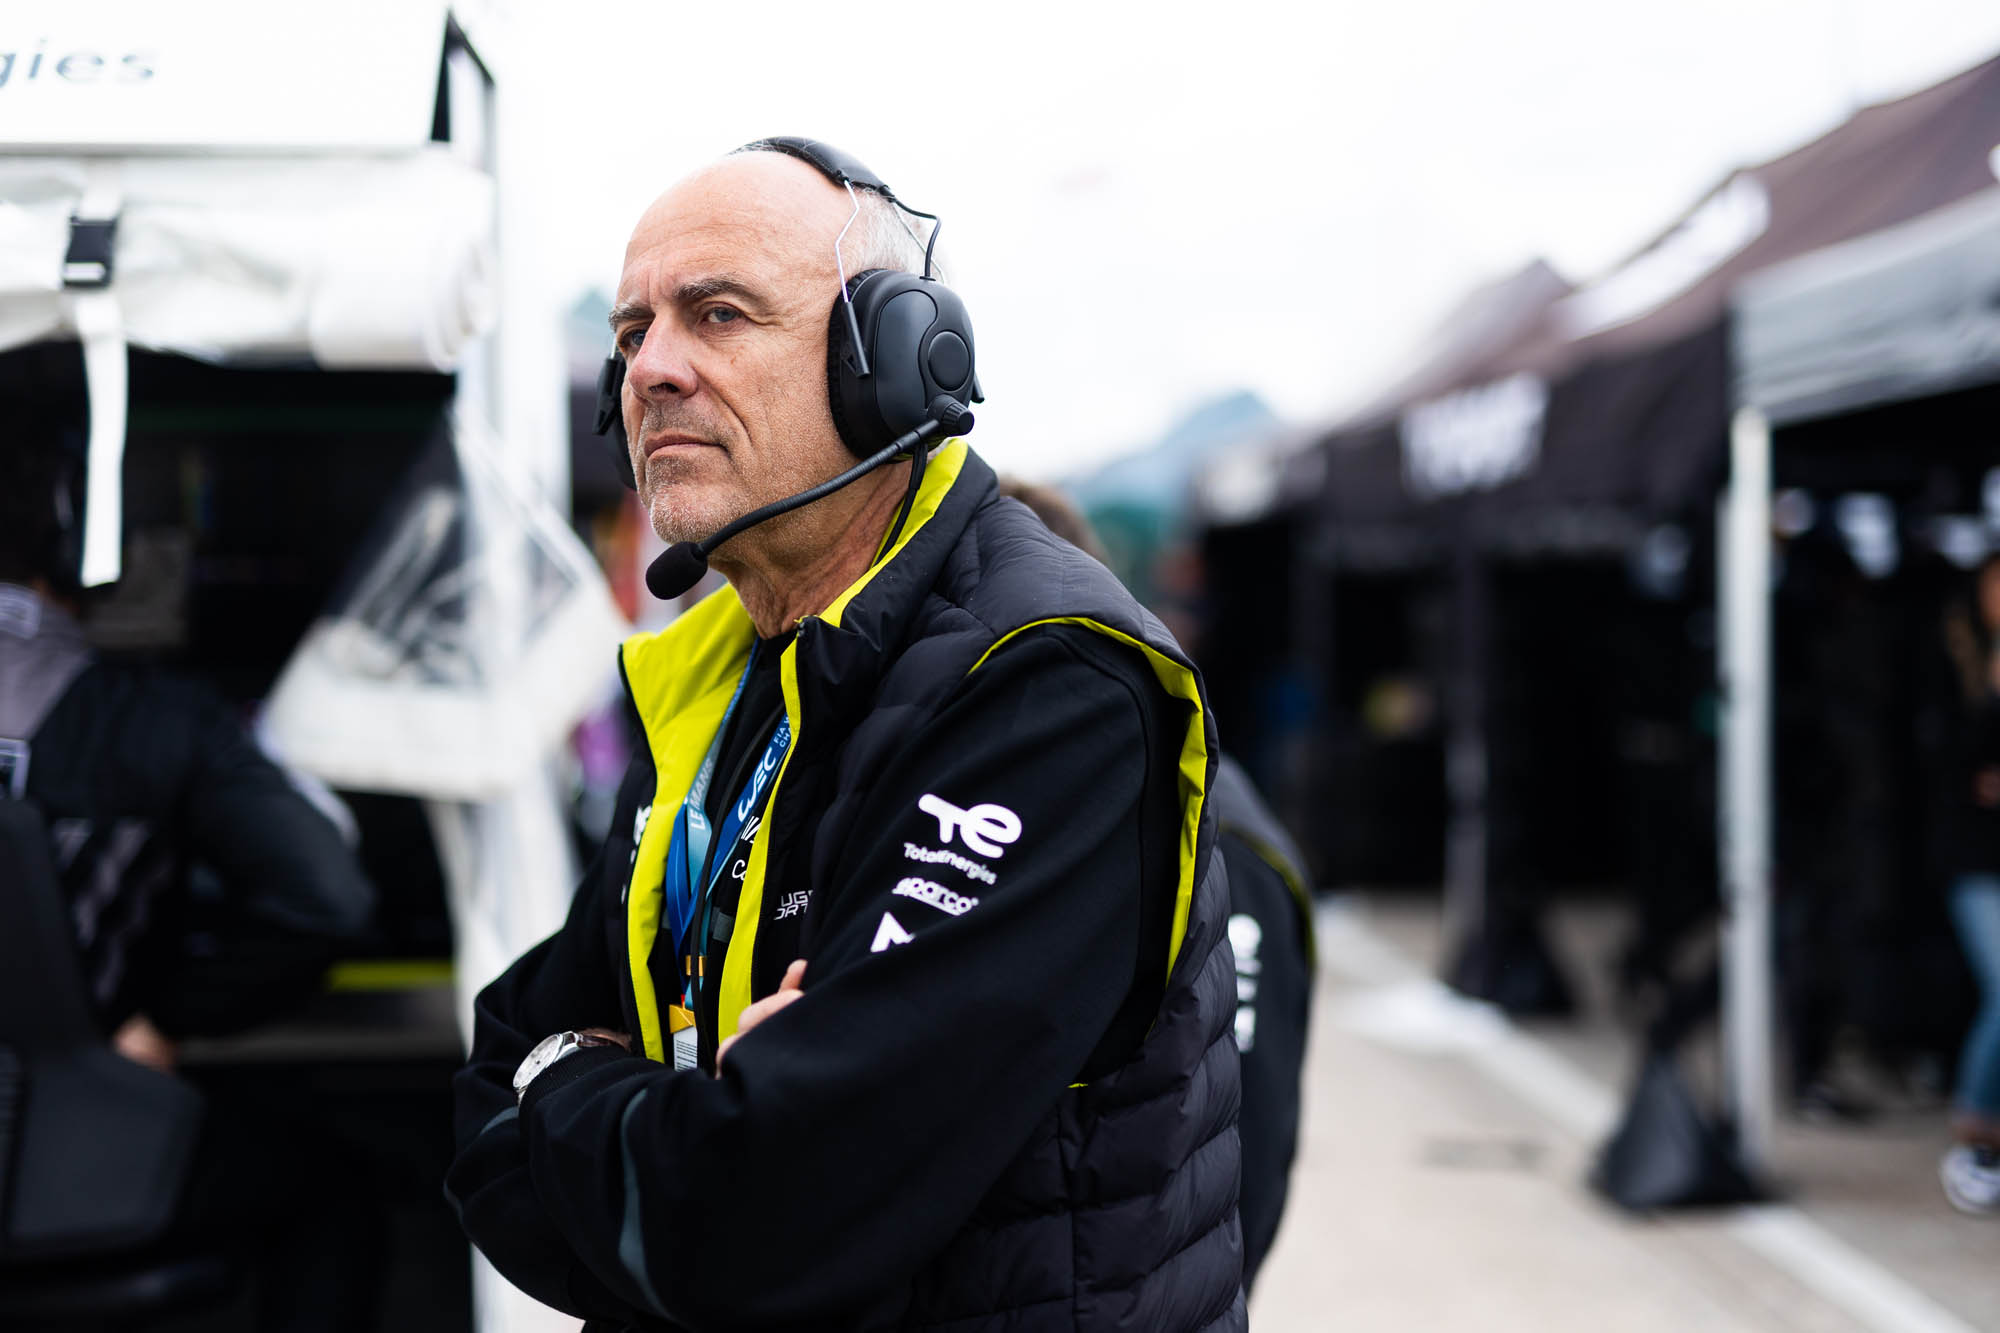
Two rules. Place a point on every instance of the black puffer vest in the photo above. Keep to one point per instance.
(1120, 1211)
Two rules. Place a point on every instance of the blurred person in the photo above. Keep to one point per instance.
(1271, 935)
(1836, 881)
(1057, 514)
(1970, 1171)
(1835, 877)
(898, 996)
(207, 894)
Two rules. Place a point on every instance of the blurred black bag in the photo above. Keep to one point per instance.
(94, 1149)
(1506, 961)
(1666, 1152)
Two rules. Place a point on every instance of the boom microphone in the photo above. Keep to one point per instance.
(681, 565)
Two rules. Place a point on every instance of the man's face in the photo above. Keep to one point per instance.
(721, 318)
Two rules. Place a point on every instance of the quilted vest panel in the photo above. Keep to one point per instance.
(1119, 1213)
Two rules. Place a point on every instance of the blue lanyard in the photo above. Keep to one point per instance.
(693, 836)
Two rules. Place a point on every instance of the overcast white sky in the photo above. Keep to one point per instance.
(1148, 204)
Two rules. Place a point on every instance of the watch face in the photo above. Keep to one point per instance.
(538, 1059)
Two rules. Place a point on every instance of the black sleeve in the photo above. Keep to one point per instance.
(1273, 994)
(293, 894)
(562, 983)
(849, 1137)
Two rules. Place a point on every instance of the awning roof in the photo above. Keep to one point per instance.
(1905, 313)
(1630, 374)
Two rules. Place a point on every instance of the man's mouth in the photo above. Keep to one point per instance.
(670, 441)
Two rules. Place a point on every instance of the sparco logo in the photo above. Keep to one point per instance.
(937, 895)
(983, 828)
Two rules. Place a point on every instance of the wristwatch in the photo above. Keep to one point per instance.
(547, 1051)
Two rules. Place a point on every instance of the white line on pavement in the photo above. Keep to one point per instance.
(1408, 1010)
(1841, 1273)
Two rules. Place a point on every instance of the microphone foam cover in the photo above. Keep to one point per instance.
(675, 570)
(954, 416)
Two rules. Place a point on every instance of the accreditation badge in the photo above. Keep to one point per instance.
(680, 1027)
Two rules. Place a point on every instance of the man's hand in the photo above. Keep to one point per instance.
(791, 988)
(142, 1043)
(622, 1040)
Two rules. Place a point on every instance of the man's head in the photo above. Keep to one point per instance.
(38, 508)
(721, 317)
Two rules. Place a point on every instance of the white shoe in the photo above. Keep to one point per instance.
(1971, 1179)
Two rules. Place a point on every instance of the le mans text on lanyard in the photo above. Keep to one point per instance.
(692, 872)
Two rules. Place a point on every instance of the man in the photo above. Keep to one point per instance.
(1271, 934)
(144, 777)
(205, 892)
(944, 1037)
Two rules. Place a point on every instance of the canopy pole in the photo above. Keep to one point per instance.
(1467, 905)
(1743, 815)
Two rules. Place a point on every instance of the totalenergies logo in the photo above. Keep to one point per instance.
(77, 66)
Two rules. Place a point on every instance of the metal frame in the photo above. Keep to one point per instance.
(1744, 824)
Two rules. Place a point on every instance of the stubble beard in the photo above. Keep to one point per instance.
(680, 507)
(691, 499)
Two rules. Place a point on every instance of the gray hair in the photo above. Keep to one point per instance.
(881, 234)
(884, 236)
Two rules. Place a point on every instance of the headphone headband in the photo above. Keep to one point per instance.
(841, 168)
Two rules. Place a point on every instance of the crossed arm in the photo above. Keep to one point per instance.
(873, 1102)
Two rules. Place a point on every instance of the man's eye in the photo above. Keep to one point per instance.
(630, 340)
(721, 314)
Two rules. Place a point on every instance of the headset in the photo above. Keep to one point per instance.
(899, 366)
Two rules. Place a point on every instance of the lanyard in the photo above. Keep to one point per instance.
(693, 836)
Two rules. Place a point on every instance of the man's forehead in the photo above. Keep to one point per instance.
(752, 212)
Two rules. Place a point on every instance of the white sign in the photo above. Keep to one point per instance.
(116, 75)
(1474, 440)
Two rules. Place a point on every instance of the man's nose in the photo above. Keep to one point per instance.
(662, 369)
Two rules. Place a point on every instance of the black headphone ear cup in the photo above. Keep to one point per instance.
(611, 417)
(849, 396)
(839, 350)
(918, 344)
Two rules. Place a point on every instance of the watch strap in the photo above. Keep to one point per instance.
(565, 1044)
(577, 1064)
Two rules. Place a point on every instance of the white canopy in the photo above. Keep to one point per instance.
(379, 262)
(233, 182)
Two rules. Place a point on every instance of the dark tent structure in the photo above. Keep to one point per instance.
(1262, 539)
(1619, 400)
(1870, 365)
(1587, 444)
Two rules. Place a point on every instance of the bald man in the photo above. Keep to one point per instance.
(900, 995)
